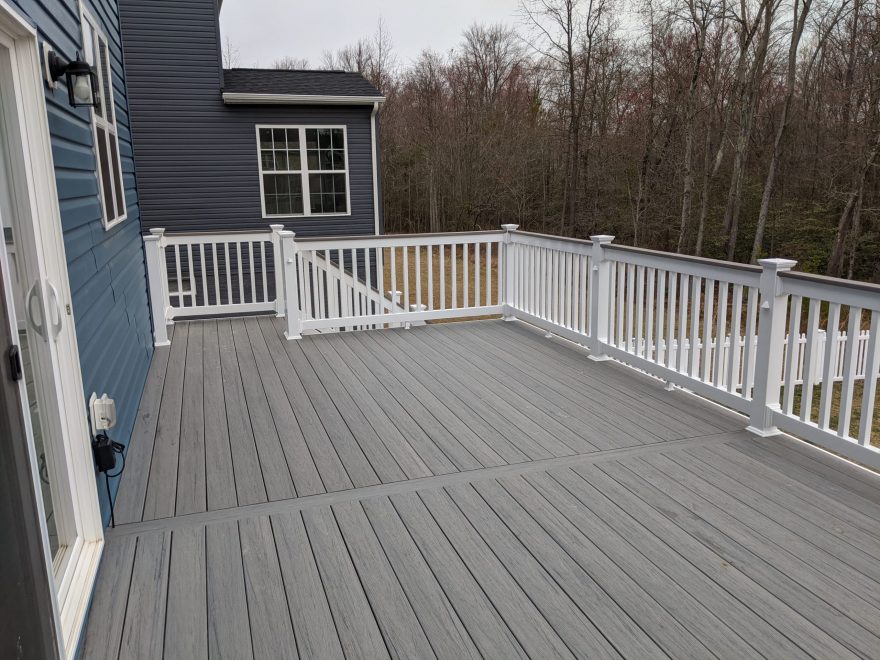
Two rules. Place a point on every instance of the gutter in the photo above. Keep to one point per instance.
(237, 98)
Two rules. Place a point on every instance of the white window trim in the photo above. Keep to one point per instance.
(109, 127)
(304, 172)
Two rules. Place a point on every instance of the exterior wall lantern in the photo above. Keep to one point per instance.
(82, 82)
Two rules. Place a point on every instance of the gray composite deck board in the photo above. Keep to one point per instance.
(186, 629)
(229, 631)
(375, 494)
(161, 491)
(219, 470)
(192, 490)
(250, 486)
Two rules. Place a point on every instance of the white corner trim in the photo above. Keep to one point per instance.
(234, 98)
(374, 155)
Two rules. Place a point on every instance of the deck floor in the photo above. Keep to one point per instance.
(468, 490)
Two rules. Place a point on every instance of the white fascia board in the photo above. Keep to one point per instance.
(232, 98)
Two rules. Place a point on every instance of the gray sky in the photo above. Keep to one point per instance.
(263, 30)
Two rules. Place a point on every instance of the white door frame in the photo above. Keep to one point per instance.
(38, 195)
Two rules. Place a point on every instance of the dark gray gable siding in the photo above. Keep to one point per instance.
(106, 268)
(197, 158)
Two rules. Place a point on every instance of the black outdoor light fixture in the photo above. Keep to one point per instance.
(82, 82)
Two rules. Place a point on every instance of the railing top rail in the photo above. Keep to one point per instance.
(868, 287)
(453, 236)
(865, 295)
(553, 237)
(705, 261)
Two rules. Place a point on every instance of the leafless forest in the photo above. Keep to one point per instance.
(733, 129)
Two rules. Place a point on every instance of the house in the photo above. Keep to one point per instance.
(240, 149)
(76, 307)
(628, 453)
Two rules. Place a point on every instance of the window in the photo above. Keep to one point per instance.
(112, 193)
(303, 170)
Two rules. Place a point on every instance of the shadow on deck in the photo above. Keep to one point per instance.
(467, 490)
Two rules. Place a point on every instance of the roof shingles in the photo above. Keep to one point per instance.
(297, 82)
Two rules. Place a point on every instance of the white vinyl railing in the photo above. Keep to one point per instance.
(390, 280)
(793, 352)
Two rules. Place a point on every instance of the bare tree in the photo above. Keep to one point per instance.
(291, 63)
(231, 54)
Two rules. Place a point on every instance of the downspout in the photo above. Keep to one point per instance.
(375, 165)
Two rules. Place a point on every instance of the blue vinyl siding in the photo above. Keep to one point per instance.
(197, 158)
(105, 268)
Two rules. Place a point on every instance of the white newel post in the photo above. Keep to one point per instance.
(771, 344)
(509, 274)
(280, 301)
(154, 250)
(291, 285)
(600, 285)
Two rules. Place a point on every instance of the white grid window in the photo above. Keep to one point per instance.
(112, 193)
(303, 170)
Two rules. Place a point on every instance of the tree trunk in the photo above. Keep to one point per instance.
(797, 30)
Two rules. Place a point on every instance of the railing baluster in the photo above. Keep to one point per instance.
(869, 388)
(406, 299)
(263, 271)
(621, 304)
(454, 259)
(849, 372)
(672, 288)
(708, 318)
(749, 348)
(649, 315)
(790, 364)
(720, 334)
(250, 251)
(441, 263)
(829, 365)
(695, 348)
(466, 273)
(216, 272)
(660, 339)
(733, 364)
(430, 255)
(179, 278)
(630, 306)
(418, 250)
(489, 296)
(191, 291)
(204, 269)
(639, 347)
(240, 272)
(394, 271)
(683, 348)
(477, 277)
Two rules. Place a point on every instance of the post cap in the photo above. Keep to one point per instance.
(276, 227)
(286, 233)
(510, 227)
(777, 264)
(157, 232)
(602, 238)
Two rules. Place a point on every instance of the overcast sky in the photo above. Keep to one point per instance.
(264, 30)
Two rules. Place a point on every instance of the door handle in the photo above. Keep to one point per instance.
(55, 311)
(35, 294)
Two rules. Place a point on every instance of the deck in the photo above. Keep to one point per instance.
(468, 490)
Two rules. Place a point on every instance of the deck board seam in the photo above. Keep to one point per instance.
(411, 485)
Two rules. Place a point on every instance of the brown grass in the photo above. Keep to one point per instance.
(418, 278)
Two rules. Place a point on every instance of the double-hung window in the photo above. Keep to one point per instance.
(112, 193)
(303, 170)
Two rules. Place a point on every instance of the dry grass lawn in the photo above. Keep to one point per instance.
(421, 291)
